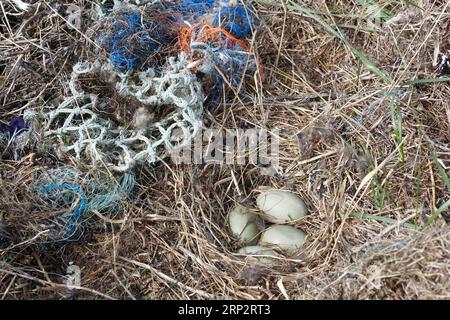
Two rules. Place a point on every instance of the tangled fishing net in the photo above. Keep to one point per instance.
(78, 195)
(133, 40)
(215, 53)
(165, 60)
(216, 44)
(80, 130)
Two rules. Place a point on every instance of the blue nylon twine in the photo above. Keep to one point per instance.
(131, 41)
(192, 9)
(237, 20)
(96, 195)
(73, 220)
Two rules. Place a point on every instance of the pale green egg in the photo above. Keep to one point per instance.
(286, 238)
(281, 206)
(242, 225)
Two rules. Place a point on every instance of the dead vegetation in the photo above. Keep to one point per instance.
(364, 124)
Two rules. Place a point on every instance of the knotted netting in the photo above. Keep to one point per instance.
(81, 131)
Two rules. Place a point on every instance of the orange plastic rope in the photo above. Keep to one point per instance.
(201, 32)
(206, 34)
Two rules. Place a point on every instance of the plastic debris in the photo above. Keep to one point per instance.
(193, 9)
(14, 128)
(77, 196)
(131, 40)
(176, 55)
(443, 57)
(72, 220)
(98, 141)
(237, 20)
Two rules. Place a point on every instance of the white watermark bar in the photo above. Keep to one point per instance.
(259, 147)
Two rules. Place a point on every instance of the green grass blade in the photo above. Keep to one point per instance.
(370, 65)
(431, 80)
(366, 216)
(366, 29)
(397, 125)
(436, 214)
(440, 169)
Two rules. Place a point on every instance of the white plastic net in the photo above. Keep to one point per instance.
(78, 127)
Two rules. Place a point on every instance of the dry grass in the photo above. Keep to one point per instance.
(362, 146)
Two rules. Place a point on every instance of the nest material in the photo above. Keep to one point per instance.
(172, 241)
(414, 266)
